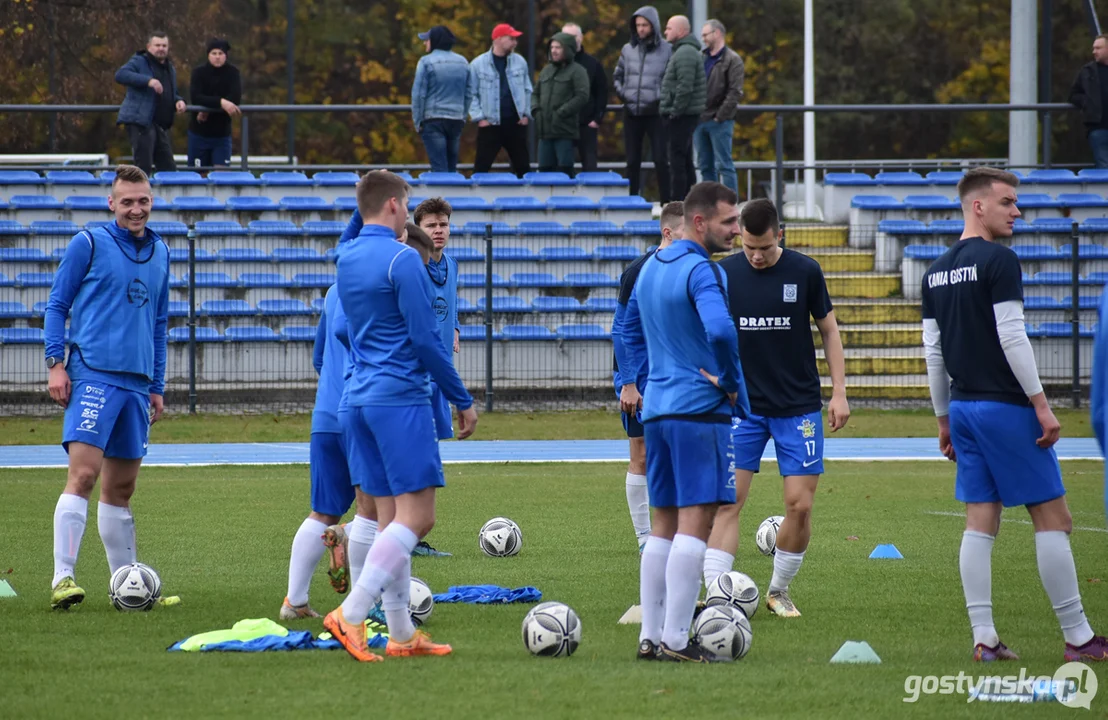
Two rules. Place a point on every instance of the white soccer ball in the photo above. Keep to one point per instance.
(723, 631)
(551, 629)
(736, 590)
(766, 537)
(421, 601)
(134, 588)
(500, 537)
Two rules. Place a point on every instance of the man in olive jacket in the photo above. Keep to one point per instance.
(561, 93)
(684, 95)
(714, 135)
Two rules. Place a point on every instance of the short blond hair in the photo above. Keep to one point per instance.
(129, 174)
(982, 178)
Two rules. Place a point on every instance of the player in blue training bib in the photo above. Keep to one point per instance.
(993, 416)
(774, 295)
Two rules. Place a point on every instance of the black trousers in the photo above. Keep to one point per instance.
(513, 138)
(587, 148)
(679, 134)
(150, 148)
(636, 128)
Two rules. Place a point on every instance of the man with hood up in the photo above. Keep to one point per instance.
(562, 92)
(441, 93)
(638, 82)
(150, 104)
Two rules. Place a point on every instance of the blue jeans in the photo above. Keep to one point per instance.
(1098, 141)
(712, 141)
(441, 138)
(209, 152)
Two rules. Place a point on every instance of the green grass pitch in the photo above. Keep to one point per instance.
(220, 538)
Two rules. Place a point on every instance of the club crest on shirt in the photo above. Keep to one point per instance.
(807, 428)
(440, 308)
(790, 293)
(137, 294)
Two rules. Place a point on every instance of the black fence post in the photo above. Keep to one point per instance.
(1075, 311)
(779, 191)
(245, 141)
(488, 318)
(192, 321)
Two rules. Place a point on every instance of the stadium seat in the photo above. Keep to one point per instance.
(203, 334)
(556, 304)
(465, 254)
(930, 202)
(444, 178)
(336, 179)
(34, 279)
(471, 280)
(923, 252)
(407, 177)
(38, 309)
(350, 204)
(291, 254)
(21, 336)
(588, 279)
(1041, 302)
(176, 282)
(1089, 175)
(850, 178)
(630, 202)
(218, 228)
(313, 280)
(534, 280)
(5, 281)
(474, 332)
(564, 254)
(248, 203)
(519, 204)
(602, 179)
(1052, 176)
(1075, 200)
(595, 227)
(241, 254)
(1037, 252)
(70, 177)
(93, 224)
(211, 280)
(11, 227)
(299, 203)
(542, 228)
(621, 253)
(643, 227)
(298, 333)
(571, 202)
(527, 332)
(899, 178)
(233, 178)
(548, 178)
(286, 179)
(20, 177)
(1053, 225)
(182, 255)
(59, 253)
(178, 309)
(1084, 302)
(23, 255)
(501, 179)
(582, 332)
(469, 203)
(263, 280)
(1051, 278)
(273, 227)
(605, 305)
(226, 308)
(944, 177)
(316, 228)
(183, 177)
(198, 203)
(169, 228)
(284, 307)
(876, 202)
(36, 202)
(251, 333)
(14, 311)
(902, 227)
(477, 227)
(505, 304)
(512, 253)
(465, 306)
(1086, 251)
(317, 305)
(1055, 329)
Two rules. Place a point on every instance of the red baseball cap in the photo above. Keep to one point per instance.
(504, 30)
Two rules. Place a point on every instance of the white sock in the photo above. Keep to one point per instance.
(683, 571)
(639, 505)
(117, 532)
(307, 549)
(1059, 576)
(391, 550)
(716, 562)
(360, 534)
(396, 605)
(975, 560)
(652, 588)
(785, 567)
(70, 515)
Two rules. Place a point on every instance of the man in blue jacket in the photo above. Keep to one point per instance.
(441, 93)
(678, 325)
(150, 104)
(501, 104)
(115, 280)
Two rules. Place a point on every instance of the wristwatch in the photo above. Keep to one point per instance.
(52, 361)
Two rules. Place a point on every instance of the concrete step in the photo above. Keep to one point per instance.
(862, 285)
(840, 259)
(878, 361)
(883, 387)
(884, 335)
(816, 235)
(861, 311)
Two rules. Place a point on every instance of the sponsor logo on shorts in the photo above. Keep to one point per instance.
(810, 463)
(91, 413)
(807, 428)
(93, 390)
(789, 294)
(88, 425)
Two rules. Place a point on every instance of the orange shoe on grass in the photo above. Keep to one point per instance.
(352, 637)
(420, 644)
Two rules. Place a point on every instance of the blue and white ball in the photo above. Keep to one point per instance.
(766, 537)
(551, 629)
(134, 588)
(500, 537)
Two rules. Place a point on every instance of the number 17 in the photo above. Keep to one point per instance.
(810, 446)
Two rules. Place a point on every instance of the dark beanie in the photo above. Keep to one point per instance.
(441, 38)
(218, 44)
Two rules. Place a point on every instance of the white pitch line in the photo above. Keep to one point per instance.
(948, 513)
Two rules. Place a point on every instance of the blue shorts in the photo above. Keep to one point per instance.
(332, 492)
(686, 463)
(444, 422)
(108, 417)
(633, 424)
(998, 459)
(397, 449)
(797, 440)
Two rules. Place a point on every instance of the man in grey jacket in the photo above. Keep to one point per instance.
(713, 136)
(151, 103)
(638, 82)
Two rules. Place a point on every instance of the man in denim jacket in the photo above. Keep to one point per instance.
(151, 102)
(501, 104)
(441, 93)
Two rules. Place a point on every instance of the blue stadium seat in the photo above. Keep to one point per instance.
(1082, 200)
(899, 178)
(1089, 175)
(923, 252)
(944, 177)
(263, 280)
(336, 179)
(239, 178)
(1055, 329)
(94, 224)
(643, 227)
(902, 227)
(169, 228)
(219, 228)
(1038, 252)
(444, 178)
(23, 255)
(324, 227)
(5, 281)
(519, 204)
(556, 304)
(291, 254)
(505, 303)
(200, 203)
(252, 333)
(317, 305)
(273, 227)
(477, 227)
(465, 306)
(1084, 302)
(1053, 225)
(549, 178)
(20, 177)
(571, 202)
(407, 177)
(59, 253)
(605, 305)
(465, 254)
(930, 202)
(875, 202)
(176, 282)
(14, 311)
(11, 227)
(413, 202)
(1053, 176)
(299, 203)
(242, 254)
(630, 202)
(1051, 278)
(583, 332)
(71, 177)
(183, 177)
(512, 253)
(36, 202)
(178, 309)
(1034, 201)
(1022, 226)
(501, 179)
(590, 279)
(249, 203)
(622, 253)
(203, 334)
(1085, 251)
(850, 178)
(313, 280)
(564, 253)
(1041, 302)
(331, 255)
(182, 255)
(348, 204)
(284, 307)
(469, 203)
(38, 309)
(160, 203)
(602, 179)
(298, 333)
(21, 336)
(471, 280)
(542, 228)
(474, 332)
(286, 179)
(527, 332)
(226, 308)
(34, 279)
(211, 280)
(595, 227)
(534, 280)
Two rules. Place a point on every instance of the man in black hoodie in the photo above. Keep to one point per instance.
(215, 84)
(1090, 94)
(593, 112)
(151, 101)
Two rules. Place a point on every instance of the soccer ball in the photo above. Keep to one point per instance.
(134, 587)
(766, 537)
(420, 601)
(500, 537)
(734, 589)
(723, 631)
(551, 629)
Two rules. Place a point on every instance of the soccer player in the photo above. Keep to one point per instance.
(772, 293)
(397, 349)
(1098, 393)
(115, 280)
(678, 317)
(994, 418)
(630, 396)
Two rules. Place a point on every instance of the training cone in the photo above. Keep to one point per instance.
(885, 552)
(633, 616)
(856, 652)
(6, 590)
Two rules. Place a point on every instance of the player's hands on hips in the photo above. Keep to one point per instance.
(838, 411)
(714, 379)
(1051, 427)
(59, 385)
(630, 400)
(157, 406)
(945, 446)
(467, 422)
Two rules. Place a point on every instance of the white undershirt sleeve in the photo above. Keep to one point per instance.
(1017, 348)
(937, 378)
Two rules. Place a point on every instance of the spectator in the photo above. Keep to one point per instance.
(501, 104)
(1090, 93)
(714, 134)
(441, 93)
(684, 91)
(215, 84)
(150, 103)
(562, 92)
(593, 112)
(638, 81)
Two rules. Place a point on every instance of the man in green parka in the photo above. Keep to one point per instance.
(684, 95)
(562, 90)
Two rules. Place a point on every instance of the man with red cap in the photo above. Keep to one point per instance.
(501, 104)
